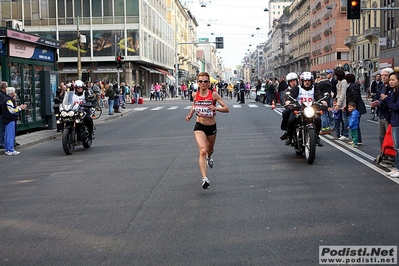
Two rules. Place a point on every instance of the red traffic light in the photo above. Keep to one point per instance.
(119, 58)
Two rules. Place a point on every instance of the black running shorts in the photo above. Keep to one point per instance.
(208, 130)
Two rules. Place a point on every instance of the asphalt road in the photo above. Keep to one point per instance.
(135, 197)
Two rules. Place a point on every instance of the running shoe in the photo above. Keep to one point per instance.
(8, 153)
(15, 152)
(205, 183)
(209, 162)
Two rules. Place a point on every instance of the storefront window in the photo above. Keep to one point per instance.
(15, 81)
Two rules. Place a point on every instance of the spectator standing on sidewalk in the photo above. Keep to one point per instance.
(324, 85)
(97, 92)
(383, 111)
(10, 114)
(353, 94)
(392, 102)
(282, 86)
(354, 119)
(3, 87)
(111, 98)
(342, 85)
(136, 93)
(242, 91)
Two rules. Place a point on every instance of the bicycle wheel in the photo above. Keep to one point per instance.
(96, 112)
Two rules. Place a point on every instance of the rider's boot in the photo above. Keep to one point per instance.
(318, 142)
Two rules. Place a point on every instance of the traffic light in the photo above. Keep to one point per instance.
(353, 9)
(219, 43)
(180, 73)
(119, 61)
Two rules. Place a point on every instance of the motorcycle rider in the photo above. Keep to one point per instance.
(305, 91)
(81, 96)
(292, 80)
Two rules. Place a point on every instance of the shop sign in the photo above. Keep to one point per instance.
(31, 51)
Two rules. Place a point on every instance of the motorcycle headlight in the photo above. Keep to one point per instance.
(308, 112)
(64, 113)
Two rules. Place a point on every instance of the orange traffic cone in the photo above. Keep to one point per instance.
(273, 105)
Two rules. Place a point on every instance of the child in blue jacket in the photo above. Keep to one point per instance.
(354, 116)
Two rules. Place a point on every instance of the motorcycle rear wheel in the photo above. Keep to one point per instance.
(310, 145)
(67, 141)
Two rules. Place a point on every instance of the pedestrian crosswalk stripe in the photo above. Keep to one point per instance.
(236, 106)
(157, 108)
(188, 107)
(173, 107)
(140, 108)
(252, 105)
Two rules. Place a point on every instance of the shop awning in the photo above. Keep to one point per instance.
(167, 74)
(171, 78)
(149, 69)
(213, 80)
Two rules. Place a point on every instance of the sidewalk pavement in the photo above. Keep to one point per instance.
(42, 135)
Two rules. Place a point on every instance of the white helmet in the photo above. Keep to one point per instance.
(291, 76)
(306, 76)
(78, 83)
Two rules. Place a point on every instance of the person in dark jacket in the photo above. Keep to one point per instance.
(242, 91)
(111, 98)
(353, 94)
(3, 87)
(282, 86)
(383, 111)
(324, 85)
(392, 102)
(10, 114)
(258, 87)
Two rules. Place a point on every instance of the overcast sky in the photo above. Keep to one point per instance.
(236, 21)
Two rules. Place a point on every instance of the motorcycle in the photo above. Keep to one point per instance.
(75, 131)
(304, 138)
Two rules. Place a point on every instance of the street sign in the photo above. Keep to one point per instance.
(219, 43)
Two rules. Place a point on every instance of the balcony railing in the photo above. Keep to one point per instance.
(350, 41)
(372, 32)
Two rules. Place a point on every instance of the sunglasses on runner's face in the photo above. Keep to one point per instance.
(204, 81)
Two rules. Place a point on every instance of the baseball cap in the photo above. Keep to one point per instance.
(329, 71)
(323, 74)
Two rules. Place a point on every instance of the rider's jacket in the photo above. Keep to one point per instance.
(201, 105)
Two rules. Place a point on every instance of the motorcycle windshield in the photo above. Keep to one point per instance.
(67, 103)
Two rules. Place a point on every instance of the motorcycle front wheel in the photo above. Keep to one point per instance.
(67, 141)
(310, 145)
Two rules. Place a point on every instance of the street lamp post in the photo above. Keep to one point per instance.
(79, 58)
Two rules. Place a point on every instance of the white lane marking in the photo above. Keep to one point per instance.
(173, 107)
(361, 160)
(236, 106)
(252, 105)
(157, 108)
(188, 107)
(354, 156)
(140, 108)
